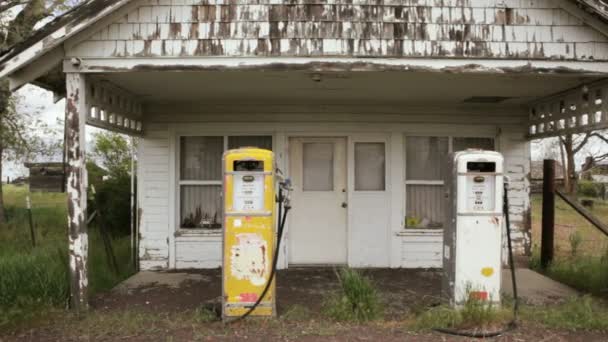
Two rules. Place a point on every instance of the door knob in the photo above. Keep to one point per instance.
(344, 205)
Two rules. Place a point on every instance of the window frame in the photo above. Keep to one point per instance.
(179, 182)
(407, 181)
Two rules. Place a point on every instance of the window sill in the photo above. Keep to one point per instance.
(185, 232)
(420, 231)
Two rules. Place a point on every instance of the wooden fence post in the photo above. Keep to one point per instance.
(76, 110)
(28, 205)
(548, 218)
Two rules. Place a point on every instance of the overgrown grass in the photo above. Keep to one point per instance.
(583, 272)
(36, 278)
(578, 313)
(356, 300)
(473, 314)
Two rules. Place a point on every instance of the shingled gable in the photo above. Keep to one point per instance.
(46, 48)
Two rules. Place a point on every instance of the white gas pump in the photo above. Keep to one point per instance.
(472, 254)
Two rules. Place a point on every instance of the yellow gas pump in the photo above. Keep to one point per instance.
(249, 257)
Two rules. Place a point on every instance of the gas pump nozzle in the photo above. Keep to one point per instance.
(286, 186)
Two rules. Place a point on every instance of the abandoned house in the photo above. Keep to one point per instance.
(361, 102)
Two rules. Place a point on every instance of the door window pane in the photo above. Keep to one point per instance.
(426, 157)
(264, 141)
(461, 144)
(201, 158)
(425, 206)
(318, 166)
(201, 206)
(370, 166)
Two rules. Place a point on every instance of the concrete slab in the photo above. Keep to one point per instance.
(402, 285)
(154, 279)
(534, 288)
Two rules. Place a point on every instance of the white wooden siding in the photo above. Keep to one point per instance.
(540, 29)
(198, 251)
(421, 248)
(153, 199)
(204, 250)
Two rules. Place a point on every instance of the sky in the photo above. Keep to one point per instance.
(39, 102)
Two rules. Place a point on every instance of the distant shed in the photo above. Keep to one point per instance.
(46, 177)
(536, 175)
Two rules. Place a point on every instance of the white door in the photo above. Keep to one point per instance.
(317, 222)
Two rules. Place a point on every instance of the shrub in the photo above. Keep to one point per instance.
(589, 189)
(356, 300)
(113, 203)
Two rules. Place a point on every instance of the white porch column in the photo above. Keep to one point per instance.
(397, 174)
(76, 109)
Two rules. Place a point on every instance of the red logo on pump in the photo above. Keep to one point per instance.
(249, 297)
(478, 295)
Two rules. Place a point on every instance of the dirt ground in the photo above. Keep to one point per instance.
(169, 313)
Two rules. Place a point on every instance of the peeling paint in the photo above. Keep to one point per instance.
(343, 28)
(76, 191)
(248, 259)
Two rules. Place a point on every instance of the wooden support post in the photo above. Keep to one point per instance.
(548, 219)
(76, 108)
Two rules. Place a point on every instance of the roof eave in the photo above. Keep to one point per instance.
(53, 40)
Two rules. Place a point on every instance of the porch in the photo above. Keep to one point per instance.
(403, 292)
(376, 136)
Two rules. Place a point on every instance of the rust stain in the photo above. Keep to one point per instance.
(175, 30)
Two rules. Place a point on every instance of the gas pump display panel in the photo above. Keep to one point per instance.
(249, 234)
(481, 186)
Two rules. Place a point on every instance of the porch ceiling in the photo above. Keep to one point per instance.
(226, 87)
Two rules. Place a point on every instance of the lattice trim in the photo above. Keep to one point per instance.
(112, 108)
(576, 111)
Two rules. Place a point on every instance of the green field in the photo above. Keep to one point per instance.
(581, 250)
(33, 279)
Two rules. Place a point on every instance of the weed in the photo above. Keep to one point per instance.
(584, 272)
(474, 313)
(575, 239)
(356, 300)
(578, 313)
(205, 315)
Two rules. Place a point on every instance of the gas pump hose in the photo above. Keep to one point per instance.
(281, 224)
(513, 323)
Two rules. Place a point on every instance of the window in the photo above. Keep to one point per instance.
(370, 166)
(200, 177)
(425, 174)
(318, 166)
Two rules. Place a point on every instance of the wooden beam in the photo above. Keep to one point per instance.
(76, 108)
(328, 64)
(602, 227)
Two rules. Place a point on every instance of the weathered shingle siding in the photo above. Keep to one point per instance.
(411, 28)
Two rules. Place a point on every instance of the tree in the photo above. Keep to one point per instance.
(112, 196)
(18, 20)
(571, 144)
(113, 152)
